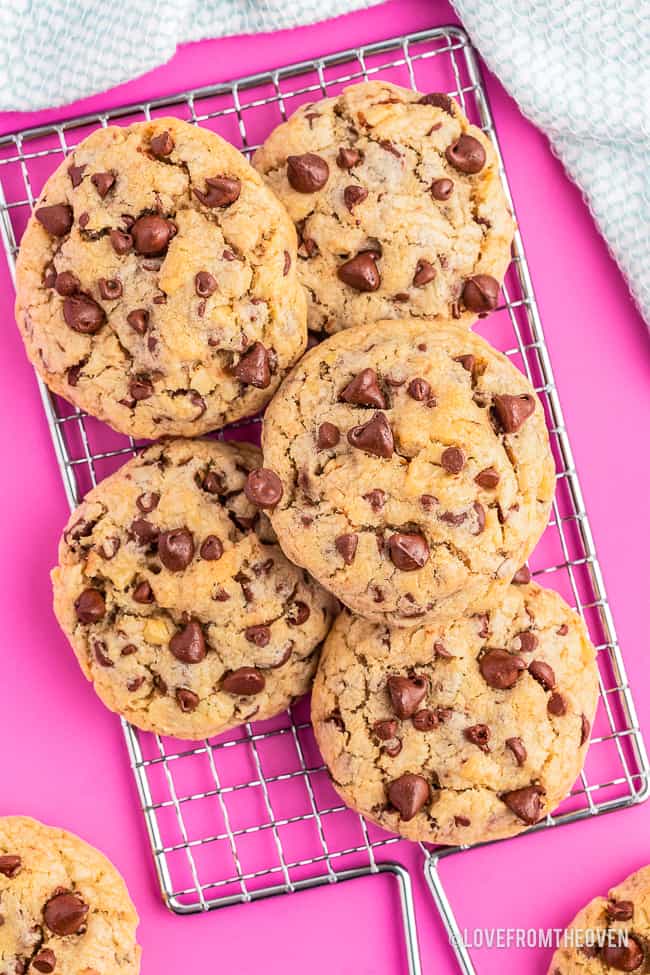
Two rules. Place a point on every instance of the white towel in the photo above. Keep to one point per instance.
(580, 70)
(55, 51)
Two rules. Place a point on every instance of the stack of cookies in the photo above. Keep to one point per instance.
(167, 287)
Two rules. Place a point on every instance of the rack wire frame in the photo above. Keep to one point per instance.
(626, 780)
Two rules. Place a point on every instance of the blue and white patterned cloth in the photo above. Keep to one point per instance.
(579, 69)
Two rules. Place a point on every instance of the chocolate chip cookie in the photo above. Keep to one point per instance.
(610, 934)
(462, 732)
(156, 281)
(407, 468)
(180, 606)
(398, 203)
(64, 907)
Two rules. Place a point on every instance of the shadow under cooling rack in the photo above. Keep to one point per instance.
(252, 813)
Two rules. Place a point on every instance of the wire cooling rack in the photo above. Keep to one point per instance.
(252, 813)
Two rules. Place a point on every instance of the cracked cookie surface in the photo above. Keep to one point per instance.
(610, 934)
(177, 600)
(64, 906)
(398, 203)
(462, 732)
(414, 469)
(156, 281)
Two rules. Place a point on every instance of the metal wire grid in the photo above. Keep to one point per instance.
(190, 881)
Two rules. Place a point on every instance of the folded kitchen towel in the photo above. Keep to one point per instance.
(580, 70)
(55, 51)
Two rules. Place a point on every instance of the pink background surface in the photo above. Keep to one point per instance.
(64, 759)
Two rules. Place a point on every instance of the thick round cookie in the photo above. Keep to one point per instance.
(415, 474)
(610, 934)
(462, 732)
(398, 203)
(180, 606)
(156, 281)
(64, 906)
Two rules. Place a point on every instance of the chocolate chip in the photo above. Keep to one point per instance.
(438, 100)
(211, 549)
(488, 478)
(585, 729)
(376, 499)
(263, 488)
(556, 705)
(441, 189)
(140, 388)
(204, 284)
(143, 593)
(49, 275)
(328, 436)
(481, 293)
(479, 735)
(151, 235)
(467, 362)
(348, 158)
(57, 219)
(138, 319)
(253, 367)
(518, 749)
(147, 501)
(188, 644)
(513, 411)
(10, 864)
(408, 551)
(83, 315)
(75, 173)
(307, 173)
(620, 910)
(451, 518)
(386, 729)
(110, 288)
(424, 273)
(623, 958)
(101, 656)
(525, 642)
(525, 803)
(353, 195)
(360, 272)
(144, 531)
(83, 220)
(501, 669)
(453, 460)
(102, 182)
(44, 961)
(176, 549)
(425, 720)
(245, 682)
(428, 501)
(521, 576)
(542, 673)
(406, 693)
(364, 390)
(298, 614)
(393, 749)
(161, 145)
(259, 635)
(66, 284)
(221, 191)
(346, 546)
(65, 914)
(374, 437)
(440, 650)
(409, 794)
(90, 606)
(479, 511)
(466, 154)
(120, 241)
(419, 389)
(186, 699)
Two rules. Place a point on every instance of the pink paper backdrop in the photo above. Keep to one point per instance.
(64, 759)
